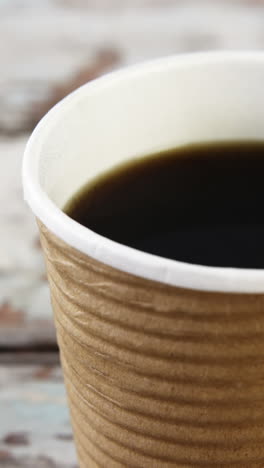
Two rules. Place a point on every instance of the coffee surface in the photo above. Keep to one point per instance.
(201, 204)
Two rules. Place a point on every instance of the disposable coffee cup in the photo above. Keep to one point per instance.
(163, 360)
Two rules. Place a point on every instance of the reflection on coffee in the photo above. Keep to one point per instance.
(202, 204)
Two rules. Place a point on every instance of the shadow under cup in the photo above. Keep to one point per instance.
(163, 361)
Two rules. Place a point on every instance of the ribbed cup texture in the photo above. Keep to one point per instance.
(157, 376)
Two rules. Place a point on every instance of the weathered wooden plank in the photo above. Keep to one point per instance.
(7, 461)
(38, 358)
(35, 429)
(79, 30)
(25, 312)
(84, 39)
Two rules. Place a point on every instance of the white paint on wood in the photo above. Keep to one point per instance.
(34, 421)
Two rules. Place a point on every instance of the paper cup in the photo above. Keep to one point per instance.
(163, 360)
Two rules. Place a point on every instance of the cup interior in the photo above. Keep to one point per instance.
(129, 116)
(137, 111)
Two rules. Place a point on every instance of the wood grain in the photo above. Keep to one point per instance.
(34, 426)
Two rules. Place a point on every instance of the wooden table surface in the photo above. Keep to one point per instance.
(35, 429)
(47, 48)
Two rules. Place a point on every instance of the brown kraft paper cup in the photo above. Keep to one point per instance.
(163, 361)
(157, 376)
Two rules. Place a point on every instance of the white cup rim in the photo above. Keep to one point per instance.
(145, 265)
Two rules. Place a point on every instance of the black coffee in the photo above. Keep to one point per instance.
(201, 204)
